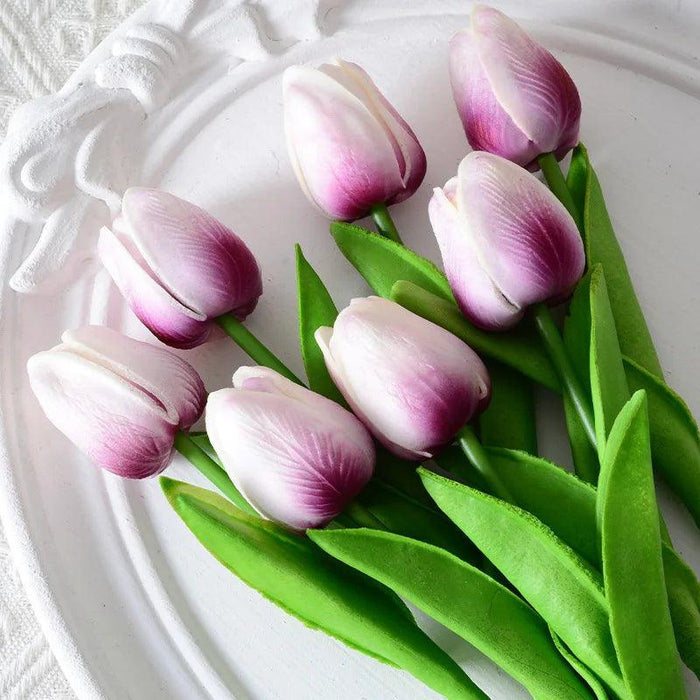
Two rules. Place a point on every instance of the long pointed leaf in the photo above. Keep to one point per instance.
(465, 600)
(567, 505)
(560, 500)
(560, 585)
(383, 262)
(602, 247)
(684, 601)
(298, 577)
(316, 308)
(675, 443)
(608, 381)
(628, 520)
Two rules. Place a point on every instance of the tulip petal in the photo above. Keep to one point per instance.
(533, 88)
(409, 153)
(157, 309)
(411, 382)
(117, 425)
(487, 125)
(478, 297)
(290, 462)
(527, 241)
(173, 383)
(341, 155)
(201, 262)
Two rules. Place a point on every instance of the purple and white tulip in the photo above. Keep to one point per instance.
(506, 241)
(412, 383)
(349, 147)
(177, 266)
(514, 98)
(119, 400)
(297, 457)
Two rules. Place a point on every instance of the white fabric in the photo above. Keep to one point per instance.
(41, 43)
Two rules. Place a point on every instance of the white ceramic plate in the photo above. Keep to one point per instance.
(186, 96)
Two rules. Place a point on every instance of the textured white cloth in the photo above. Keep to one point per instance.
(41, 43)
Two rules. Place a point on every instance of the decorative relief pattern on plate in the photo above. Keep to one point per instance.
(63, 162)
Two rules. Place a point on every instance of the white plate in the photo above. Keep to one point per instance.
(190, 101)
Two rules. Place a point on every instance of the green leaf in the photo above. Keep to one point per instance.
(593, 681)
(675, 444)
(382, 262)
(565, 590)
(602, 247)
(402, 515)
(316, 308)
(465, 600)
(577, 341)
(560, 500)
(577, 177)
(520, 348)
(630, 535)
(297, 576)
(567, 505)
(509, 420)
(684, 602)
(608, 381)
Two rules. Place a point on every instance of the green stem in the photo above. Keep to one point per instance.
(253, 347)
(475, 453)
(189, 449)
(562, 365)
(384, 223)
(363, 517)
(557, 183)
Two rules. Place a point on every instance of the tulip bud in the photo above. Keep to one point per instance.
(514, 98)
(297, 457)
(177, 266)
(506, 241)
(349, 147)
(119, 400)
(412, 383)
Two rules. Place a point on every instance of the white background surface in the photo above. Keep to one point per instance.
(643, 139)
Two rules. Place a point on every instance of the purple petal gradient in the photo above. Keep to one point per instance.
(407, 149)
(167, 378)
(486, 124)
(477, 295)
(297, 457)
(104, 410)
(349, 147)
(527, 241)
(168, 319)
(201, 262)
(411, 382)
(515, 99)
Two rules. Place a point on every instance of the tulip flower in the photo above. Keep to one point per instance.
(121, 401)
(412, 383)
(506, 241)
(351, 151)
(177, 266)
(181, 272)
(514, 98)
(298, 457)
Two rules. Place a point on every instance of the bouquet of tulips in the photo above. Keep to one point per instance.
(405, 465)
